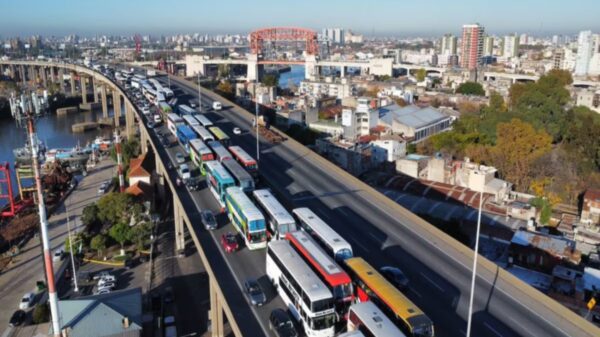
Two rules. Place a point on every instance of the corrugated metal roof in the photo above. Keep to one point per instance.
(411, 115)
(553, 245)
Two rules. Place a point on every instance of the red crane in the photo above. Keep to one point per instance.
(138, 44)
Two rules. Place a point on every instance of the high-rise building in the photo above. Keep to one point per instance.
(335, 35)
(471, 48)
(510, 46)
(448, 45)
(584, 53)
(524, 39)
(488, 46)
(559, 58)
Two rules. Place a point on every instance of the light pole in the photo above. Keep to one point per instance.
(71, 249)
(199, 94)
(474, 276)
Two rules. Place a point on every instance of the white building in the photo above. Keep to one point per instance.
(488, 46)
(413, 122)
(448, 45)
(511, 46)
(335, 35)
(329, 87)
(584, 53)
(388, 150)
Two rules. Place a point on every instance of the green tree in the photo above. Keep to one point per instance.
(140, 234)
(420, 75)
(470, 88)
(114, 208)
(89, 215)
(98, 243)
(41, 313)
(121, 232)
(270, 80)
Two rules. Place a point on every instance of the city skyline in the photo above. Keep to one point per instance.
(386, 18)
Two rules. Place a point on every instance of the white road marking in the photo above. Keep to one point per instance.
(415, 291)
(356, 242)
(492, 329)
(432, 282)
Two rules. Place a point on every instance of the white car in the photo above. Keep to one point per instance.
(109, 286)
(157, 119)
(146, 110)
(102, 274)
(237, 131)
(58, 255)
(184, 172)
(104, 281)
(102, 292)
(26, 301)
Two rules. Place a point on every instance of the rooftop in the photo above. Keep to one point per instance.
(411, 115)
(554, 245)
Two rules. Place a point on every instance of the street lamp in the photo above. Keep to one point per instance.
(199, 94)
(71, 249)
(474, 275)
(256, 122)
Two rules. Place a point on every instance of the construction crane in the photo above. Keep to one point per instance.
(138, 45)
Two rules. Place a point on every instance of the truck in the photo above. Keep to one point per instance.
(217, 106)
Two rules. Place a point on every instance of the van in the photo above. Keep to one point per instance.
(217, 105)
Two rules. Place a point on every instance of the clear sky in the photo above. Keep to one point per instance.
(379, 17)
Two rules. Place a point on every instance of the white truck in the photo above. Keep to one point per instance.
(217, 105)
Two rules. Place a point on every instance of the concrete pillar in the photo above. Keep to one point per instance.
(179, 226)
(143, 139)
(94, 90)
(342, 71)
(252, 71)
(216, 311)
(61, 79)
(160, 173)
(83, 84)
(22, 74)
(117, 107)
(32, 75)
(104, 101)
(310, 68)
(73, 88)
(13, 73)
(129, 121)
(44, 76)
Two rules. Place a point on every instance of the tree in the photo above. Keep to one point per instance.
(225, 88)
(114, 208)
(223, 70)
(140, 233)
(420, 75)
(121, 232)
(98, 243)
(41, 313)
(270, 80)
(470, 88)
(518, 146)
(89, 215)
(372, 91)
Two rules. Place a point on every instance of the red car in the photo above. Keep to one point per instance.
(229, 242)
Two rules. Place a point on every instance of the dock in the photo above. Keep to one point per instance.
(86, 126)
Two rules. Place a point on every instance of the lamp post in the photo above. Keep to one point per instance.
(199, 94)
(474, 275)
(71, 249)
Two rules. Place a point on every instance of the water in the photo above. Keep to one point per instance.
(296, 75)
(53, 130)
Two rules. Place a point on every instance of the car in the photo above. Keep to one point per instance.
(26, 301)
(102, 292)
(184, 171)
(17, 318)
(281, 323)
(179, 158)
(109, 286)
(168, 295)
(254, 292)
(145, 110)
(237, 131)
(58, 255)
(395, 276)
(229, 242)
(208, 219)
(157, 119)
(102, 274)
(103, 187)
(103, 281)
(150, 125)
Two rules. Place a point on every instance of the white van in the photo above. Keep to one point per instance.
(217, 105)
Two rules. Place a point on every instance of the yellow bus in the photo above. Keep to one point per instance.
(221, 136)
(370, 285)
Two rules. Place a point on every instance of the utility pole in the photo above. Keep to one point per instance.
(199, 94)
(119, 161)
(49, 268)
(256, 122)
(474, 275)
(71, 249)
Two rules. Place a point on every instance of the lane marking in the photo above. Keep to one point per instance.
(360, 244)
(487, 325)
(432, 282)
(415, 291)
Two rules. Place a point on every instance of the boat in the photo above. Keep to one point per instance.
(74, 154)
(23, 154)
(101, 143)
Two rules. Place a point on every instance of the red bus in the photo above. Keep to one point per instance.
(338, 281)
(244, 159)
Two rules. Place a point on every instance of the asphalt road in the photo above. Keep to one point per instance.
(440, 277)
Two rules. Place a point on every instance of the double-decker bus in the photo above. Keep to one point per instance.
(244, 159)
(204, 134)
(367, 319)
(220, 135)
(336, 279)
(242, 178)
(305, 295)
(247, 218)
(190, 120)
(200, 153)
(333, 243)
(374, 287)
(174, 121)
(184, 135)
(218, 180)
(279, 219)
(184, 110)
(204, 121)
(220, 151)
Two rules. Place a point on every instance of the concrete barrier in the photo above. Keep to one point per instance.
(66, 110)
(90, 106)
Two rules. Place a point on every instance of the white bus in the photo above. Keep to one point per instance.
(306, 296)
(183, 109)
(204, 134)
(190, 121)
(279, 219)
(371, 322)
(204, 120)
(221, 153)
(246, 218)
(173, 121)
(333, 243)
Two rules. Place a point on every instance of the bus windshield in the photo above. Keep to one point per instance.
(342, 291)
(343, 254)
(257, 236)
(322, 322)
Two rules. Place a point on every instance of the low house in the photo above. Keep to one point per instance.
(590, 212)
(116, 314)
(140, 169)
(542, 252)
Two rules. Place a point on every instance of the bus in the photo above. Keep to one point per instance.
(186, 110)
(247, 219)
(190, 121)
(204, 134)
(221, 136)
(173, 121)
(220, 151)
(279, 220)
(305, 295)
(184, 135)
(244, 159)
(200, 153)
(326, 268)
(218, 180)
(164, 108)
(242, 178)
(374, 287)
(370, 321)
(204, 121)
(333, 243)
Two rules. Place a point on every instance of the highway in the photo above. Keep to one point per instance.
(386, 234)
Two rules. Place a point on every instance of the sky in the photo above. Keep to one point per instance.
(369, 17)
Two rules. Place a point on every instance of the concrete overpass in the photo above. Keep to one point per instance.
(383, 232)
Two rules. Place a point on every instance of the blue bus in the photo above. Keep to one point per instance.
(184, 135)
(247, 218)
(218, 180)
